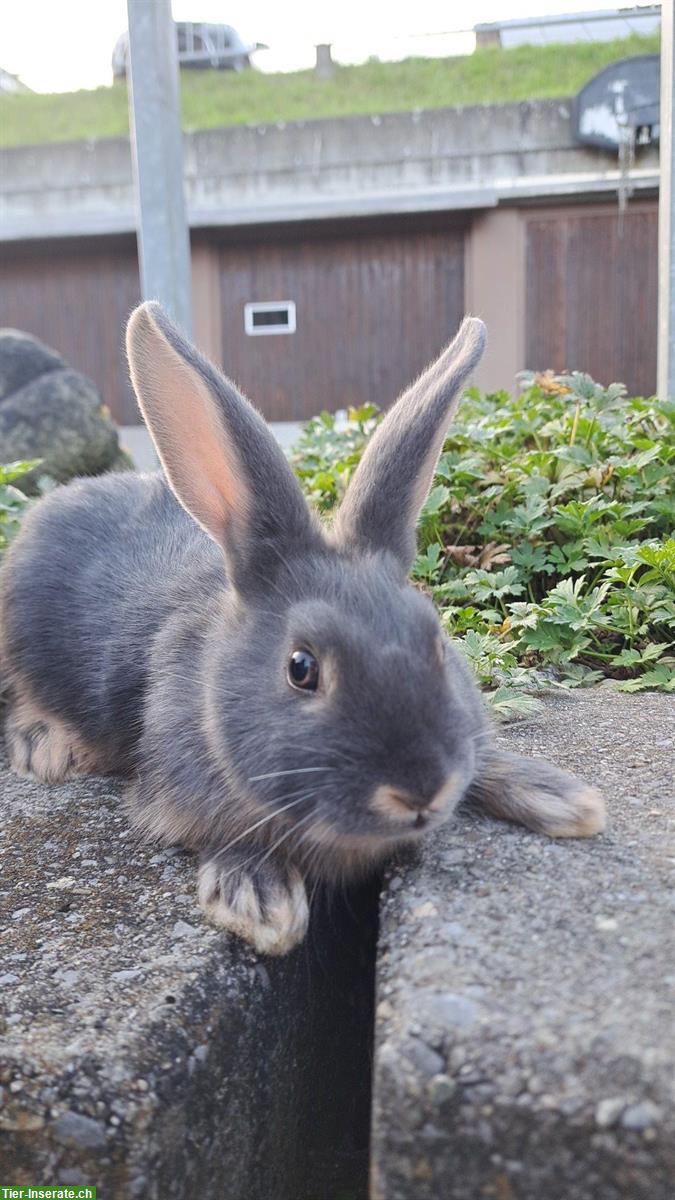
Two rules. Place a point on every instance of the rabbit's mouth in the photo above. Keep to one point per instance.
(394, 816)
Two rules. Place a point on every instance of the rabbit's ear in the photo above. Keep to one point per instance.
(220, 459)
(392, 481)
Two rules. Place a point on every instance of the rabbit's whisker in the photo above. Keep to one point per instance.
(301, 795)
(263, 821)
(286, 834)
(331, 751)
(312, 852)
(315, 887)
(266, 854)
(292, 771)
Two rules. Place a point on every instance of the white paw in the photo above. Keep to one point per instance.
(270, 913)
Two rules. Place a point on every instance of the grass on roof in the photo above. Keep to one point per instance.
(215, 98)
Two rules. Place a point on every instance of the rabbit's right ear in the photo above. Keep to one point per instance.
(222, 462)
(392, 480)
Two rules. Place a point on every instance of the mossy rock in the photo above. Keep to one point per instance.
(51, 412)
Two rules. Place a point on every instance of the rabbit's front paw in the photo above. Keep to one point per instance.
(39, 748)
(541, 797)
(265, 905)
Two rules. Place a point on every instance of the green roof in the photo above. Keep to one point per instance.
(211, 99)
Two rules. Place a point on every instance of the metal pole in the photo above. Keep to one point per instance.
(157, 149)
(666, 316)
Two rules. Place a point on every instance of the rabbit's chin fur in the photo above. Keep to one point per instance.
(147, 624)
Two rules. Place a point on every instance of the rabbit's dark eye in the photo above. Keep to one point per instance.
(303, 671)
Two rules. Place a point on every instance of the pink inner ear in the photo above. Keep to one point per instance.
(187, 427)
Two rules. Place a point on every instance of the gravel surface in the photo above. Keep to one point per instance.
(525, 1032)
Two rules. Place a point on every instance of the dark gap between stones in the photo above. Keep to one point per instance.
(335, 1073)
(286, 1113)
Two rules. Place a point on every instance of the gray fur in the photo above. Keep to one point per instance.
(394, 476)
(165, 654)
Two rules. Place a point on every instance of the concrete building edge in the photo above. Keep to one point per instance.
(494, 267)
(581, 188)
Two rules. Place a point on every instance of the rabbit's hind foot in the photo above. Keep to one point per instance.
(539, 796)
(42, 747)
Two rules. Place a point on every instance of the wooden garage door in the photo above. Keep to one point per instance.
(372, 309)
(592, 293)
(76, 296)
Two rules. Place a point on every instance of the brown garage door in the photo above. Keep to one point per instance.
(76, 296)
(592, 293)
(372, 308)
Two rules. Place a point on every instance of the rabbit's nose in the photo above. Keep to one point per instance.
(396, 803)
(436, 798)
(412, 800)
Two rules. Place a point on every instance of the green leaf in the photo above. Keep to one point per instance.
(427, 565)
(510, 705)
(532, 560)
(434, 502)
(15, 470)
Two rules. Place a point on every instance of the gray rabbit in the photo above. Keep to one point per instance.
(283, 700)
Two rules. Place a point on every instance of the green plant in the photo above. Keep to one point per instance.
(547, 538)
(212, 99)
(13, 503)
(328, 453)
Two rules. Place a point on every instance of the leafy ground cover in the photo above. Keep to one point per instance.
(547, 539)
(13, 503)
(215, 98)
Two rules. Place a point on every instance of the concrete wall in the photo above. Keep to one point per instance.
(435, 160)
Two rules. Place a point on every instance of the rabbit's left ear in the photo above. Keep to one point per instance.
(221, 460)
(392, 481)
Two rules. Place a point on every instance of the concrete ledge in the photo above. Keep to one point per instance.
(525, 1037)
(427, 161)
(141, 1050)
(525, 1046)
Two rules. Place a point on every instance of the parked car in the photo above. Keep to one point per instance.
(200, 45)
